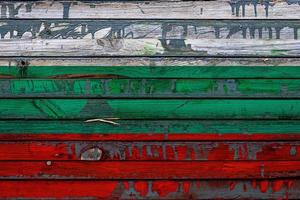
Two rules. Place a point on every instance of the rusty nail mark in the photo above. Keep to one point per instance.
(105, 120)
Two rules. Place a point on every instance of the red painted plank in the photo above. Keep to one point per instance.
(149, 170)
(223, 189)
(180, 151)
(151, 137)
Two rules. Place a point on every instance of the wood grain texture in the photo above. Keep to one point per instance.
(150, 29)
(151, 127)
(158, 189)
(150, 88)
(148, 109)
(135, 170)
(220, 72)
(194, 99)
(147, 151)
(150, 47)
(147, 61)
(151, 137)
(145, 130)
(223, 9)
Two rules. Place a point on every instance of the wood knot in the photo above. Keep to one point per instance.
(22, 65)
(94, 153)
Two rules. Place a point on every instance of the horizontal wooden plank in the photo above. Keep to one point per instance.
(150, 47)
(158, 130)
(149, 170)
(147, 151)
(150, 29)
(225, 72)
(157, 189)
(147, 61)
(151, 137)
(150, 88)
(222, 9)
(149, 109)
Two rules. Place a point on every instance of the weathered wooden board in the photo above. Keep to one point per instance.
(150, 88)
(156, 189)
(150, 47)
(181, 170)
(149, 109)
(217, 72)
(150, 29)
(219, 127)
(147, 151)
(145, 130)
(222, 9)
(185, 94)
(148, 61)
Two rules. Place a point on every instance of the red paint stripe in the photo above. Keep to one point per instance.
(147, 151)
(265, 189)
(149, 170)
(151, 137)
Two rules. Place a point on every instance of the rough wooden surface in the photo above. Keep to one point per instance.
(151, 130)
(222, 9)
(150, 29)
(149, 47)
(138, 72)
(148, 109)
(74, 62)
(135, 170)
(150, 88)
(157, 189)
(147, 151)
(149, 99)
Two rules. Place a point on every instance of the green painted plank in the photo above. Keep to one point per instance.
(150, 88)
(148, 109)
(149, 71)
(151, 127)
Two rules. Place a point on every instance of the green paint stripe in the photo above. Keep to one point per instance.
(152, 71)
(148, 109)
(150, 88)
(151, 127)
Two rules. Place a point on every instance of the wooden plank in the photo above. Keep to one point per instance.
(156, 130)
(180, 170)
(222, 9)
(150, 47)
(147, 151)
(158, 189)
(149, 109)
(151, 137)
(222, 72)
(150, 29)
(150, 88)
(147, 61)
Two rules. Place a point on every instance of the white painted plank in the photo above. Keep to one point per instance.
(152, 29)
(149, 47)
(215, 9)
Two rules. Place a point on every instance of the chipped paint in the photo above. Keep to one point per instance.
(163, 30)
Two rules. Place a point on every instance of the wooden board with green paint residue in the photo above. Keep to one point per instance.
(178, 61)
(150, 88)
(98, 71)
(148, 109)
